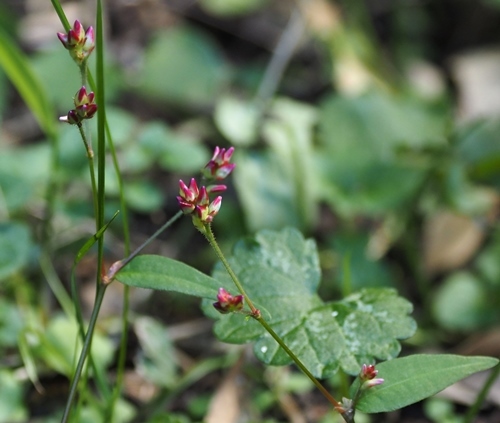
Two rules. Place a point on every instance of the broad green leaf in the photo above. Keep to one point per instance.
(280, 272)
(163, 273)
(183, 66)
(413, 378)
(15, 247)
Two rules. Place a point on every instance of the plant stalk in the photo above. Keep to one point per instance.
(255, 313)
(85, 351)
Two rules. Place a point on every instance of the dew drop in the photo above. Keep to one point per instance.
(263, 349)
(335, 313)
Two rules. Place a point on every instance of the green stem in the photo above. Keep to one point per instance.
(85, 350)
(255, 313)
(299, 363)
(90, 158)
(470, 417)
(209, 235)
(281, 57)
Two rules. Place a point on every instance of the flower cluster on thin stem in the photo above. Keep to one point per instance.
(85, 108)
(78, 42)
(196, 201)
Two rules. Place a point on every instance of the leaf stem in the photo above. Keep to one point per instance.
(255, 313)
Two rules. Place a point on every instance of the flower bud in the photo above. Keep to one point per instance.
(78, 42)
(219, 167)
(228, 303)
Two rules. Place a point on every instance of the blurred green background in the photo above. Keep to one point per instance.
(372, 126)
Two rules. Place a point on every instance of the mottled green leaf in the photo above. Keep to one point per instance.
(281, 274)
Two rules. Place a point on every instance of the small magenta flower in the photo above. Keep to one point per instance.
(85, 108)
(368, 377)
(219, 167)
(205, 213)
(188, 196)
(196, 202)
(78, 42)
(228, 303)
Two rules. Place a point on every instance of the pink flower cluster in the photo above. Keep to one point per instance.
(85, 108)
(368, 376)
(78, 42)
(196, 201)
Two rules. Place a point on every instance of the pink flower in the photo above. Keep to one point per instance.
(368, 376)
(85, 108)
(188, 196)
(219, 167)
(78, 42)
(228, 303)
(195, 201)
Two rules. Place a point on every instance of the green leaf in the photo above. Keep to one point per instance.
(163, 273)
(15, 247)
(30, 88)
(183, 66)
(411, 379)
(280, 271)
(279, 180)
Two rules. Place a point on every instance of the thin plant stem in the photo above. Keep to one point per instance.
(122, 355)
(471, 414)
(136, 252)
(255, 313)
(90, 159)
(280, 58)
(85, 350)
(209, 235)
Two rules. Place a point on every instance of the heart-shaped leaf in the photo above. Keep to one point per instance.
(411, 379)
(280, 272)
